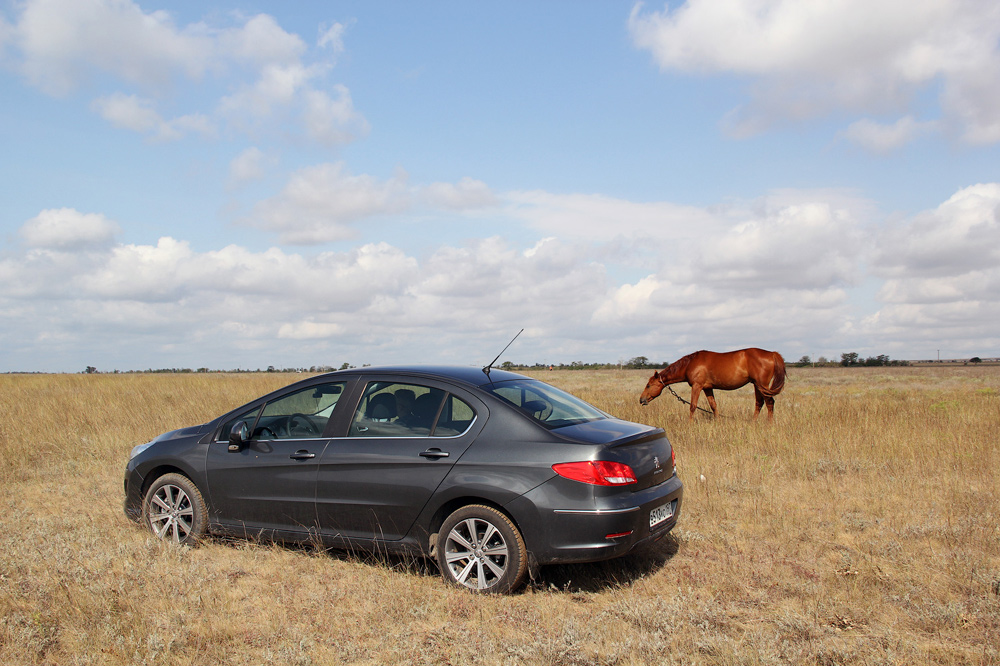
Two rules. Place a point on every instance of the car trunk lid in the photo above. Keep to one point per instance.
(643, 448)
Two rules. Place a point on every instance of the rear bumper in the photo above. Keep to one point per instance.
(556, 532)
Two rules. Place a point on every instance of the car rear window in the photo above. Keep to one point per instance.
(551, 407)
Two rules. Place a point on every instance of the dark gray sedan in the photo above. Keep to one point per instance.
(490, 473)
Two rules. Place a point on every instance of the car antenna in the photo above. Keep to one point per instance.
(488, 367)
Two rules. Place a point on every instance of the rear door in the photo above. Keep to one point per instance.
(403, 438)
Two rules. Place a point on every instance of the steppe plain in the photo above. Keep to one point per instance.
(860, 527)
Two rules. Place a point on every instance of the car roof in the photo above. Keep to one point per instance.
(471, 375)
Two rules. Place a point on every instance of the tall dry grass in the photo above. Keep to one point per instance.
(859, 527)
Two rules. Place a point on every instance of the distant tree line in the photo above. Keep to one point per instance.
(847, 360)
(635, 363)
(851, 360)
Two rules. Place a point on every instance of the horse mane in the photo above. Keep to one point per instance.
(677, 368)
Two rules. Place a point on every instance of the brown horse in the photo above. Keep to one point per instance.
(706, 371)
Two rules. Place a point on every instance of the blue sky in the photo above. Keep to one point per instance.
(234, 184)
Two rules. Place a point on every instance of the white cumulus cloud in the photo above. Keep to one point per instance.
(138, 114)
(600, 217)
(805, 244)
(332, 38)
(959, 236)
(248, 166)
(62, 228)
(331, 119)
(807, 59)
(790, 269)
(884, 138)
(64, 43)
(258, 74)
(466, 194)
(325, 202)
(319, 203)
(261, 41)
(309, 330)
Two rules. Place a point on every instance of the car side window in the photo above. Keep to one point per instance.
(299, 415)
(389, 409)
(250, 418)
(456, 418)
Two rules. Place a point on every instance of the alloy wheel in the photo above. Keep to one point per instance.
(171, 513)
(476, 553)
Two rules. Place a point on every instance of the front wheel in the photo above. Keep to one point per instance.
(481, 549)
(175, 510)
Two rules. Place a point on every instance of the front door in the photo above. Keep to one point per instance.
(269, 484)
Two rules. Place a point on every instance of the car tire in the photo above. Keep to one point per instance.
(480, 548)
(174, 510)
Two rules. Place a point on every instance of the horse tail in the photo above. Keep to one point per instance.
(777, 377)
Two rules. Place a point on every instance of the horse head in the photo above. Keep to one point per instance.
(654, 387)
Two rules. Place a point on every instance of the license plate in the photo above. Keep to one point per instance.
(660, 514)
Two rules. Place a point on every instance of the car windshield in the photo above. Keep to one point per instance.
(546, 404)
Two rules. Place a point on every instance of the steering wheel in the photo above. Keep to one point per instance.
(302, 422)
(265, 433)
(539, 408)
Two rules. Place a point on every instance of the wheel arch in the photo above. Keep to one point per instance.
(155, 473)
(451, 506)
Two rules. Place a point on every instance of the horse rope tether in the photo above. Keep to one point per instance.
(687, 402)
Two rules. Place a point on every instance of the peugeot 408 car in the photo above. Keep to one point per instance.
(489, 473)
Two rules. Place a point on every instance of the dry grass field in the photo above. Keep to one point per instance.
(861, 527)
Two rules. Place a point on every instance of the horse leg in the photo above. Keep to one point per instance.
(759, 399)
(710, 394)
(770, 408)
(695, 390)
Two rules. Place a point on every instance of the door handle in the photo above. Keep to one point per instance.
(435, 453)
(302, 454)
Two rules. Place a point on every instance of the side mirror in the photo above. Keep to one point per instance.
(238, 436)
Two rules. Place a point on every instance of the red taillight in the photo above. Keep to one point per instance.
(597, 472)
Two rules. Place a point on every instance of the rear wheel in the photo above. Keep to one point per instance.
(175, 510)
(481, 549)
